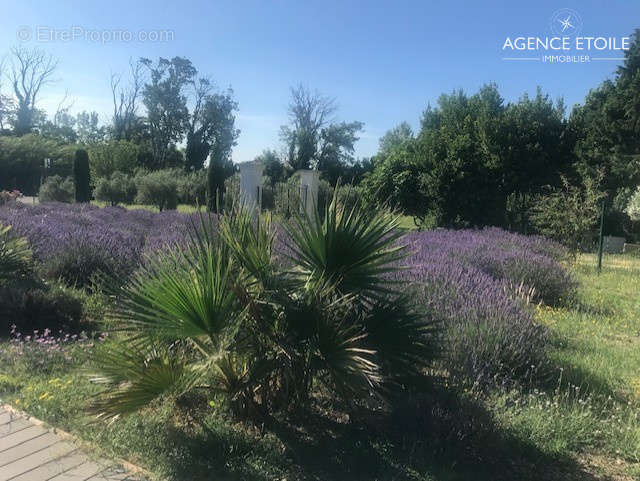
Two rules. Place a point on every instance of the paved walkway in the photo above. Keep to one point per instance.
(31, 452)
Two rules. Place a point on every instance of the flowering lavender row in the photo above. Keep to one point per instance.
(73, 241)
(469, 280)
(533, 261)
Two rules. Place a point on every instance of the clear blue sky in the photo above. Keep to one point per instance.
(382, 61)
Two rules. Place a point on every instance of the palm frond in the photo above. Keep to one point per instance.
(135, 378)
(350, 247)
(182, 294)
(15, 255)
(404, 340)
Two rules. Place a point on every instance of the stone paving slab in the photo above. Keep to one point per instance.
(31, 452)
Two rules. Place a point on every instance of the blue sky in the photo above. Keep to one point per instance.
(382, 61)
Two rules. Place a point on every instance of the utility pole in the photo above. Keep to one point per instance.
(601, 237)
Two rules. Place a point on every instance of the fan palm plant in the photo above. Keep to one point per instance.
(15, 255)
(227, 313)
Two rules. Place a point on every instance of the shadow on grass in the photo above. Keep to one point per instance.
(439, 436)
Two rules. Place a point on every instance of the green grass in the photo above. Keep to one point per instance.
(580, 423)
(185, 208)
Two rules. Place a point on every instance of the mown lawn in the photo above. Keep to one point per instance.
(579, 422)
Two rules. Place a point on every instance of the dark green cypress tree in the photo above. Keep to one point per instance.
(81, 176)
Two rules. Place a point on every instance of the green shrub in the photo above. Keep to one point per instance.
(21, 161)
(223, 311)
(569, 214)
(633, 207)
(81, 177)
(114, 156)
(40, 307)
(192, 188)
(57, 189)
(119, 188)
(158, 188)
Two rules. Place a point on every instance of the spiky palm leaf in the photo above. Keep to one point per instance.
(404, 339)
(351, 248)
(136, 377)
(15, 255)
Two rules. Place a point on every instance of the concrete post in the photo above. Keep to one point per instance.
(309, 182)
(251, 183)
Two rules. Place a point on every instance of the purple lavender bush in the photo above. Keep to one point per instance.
(466, 280)
(532, 261)
(74, 242)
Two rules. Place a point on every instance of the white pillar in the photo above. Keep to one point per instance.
(309, 181)
(251, 183)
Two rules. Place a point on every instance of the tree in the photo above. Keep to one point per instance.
(459, 158)
(397, 181)
(608, 127)
(220, 169)
(119, 188)
(633, 207)
(569, 214)
(336, 147)
(309, 113)
(395, 139)
(274, 169)
(212, 122)
(126, 124)
(158, 188)
(88, 130)
(114, 155)
(31, 70)
(7, 105)
(536, 148)
(81, 176)
(166, 103)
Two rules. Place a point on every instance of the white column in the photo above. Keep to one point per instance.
(251, 183)
(309, 181)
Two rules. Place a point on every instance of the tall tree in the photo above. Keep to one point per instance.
(309, 113)
(31, 70)
(88, 128)
(7, 106)
(212, 121)
(608, 127)
(126, 124)
(336, 148)
(222, 137)
(166, 103)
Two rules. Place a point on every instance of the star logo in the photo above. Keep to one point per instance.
(566, 22)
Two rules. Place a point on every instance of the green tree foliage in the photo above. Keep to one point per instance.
(397, 180)
(118, 188)
(165, 99)
(22, 161)
(57, 189)
(81, 176)
(115, 155)
(313, 139)
(274, 170)
(398, 138)
(633, 207)
(192, 188)
(608, 127)
(223, 313)
(569, 214)
(220, 169)
(211, 124)
(158, 188)
(472, 155)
